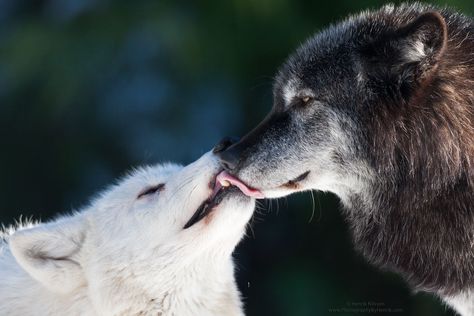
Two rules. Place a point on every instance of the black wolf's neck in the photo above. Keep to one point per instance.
(418, 218)
(428, 237)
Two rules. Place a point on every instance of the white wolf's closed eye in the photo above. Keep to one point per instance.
(151, 190)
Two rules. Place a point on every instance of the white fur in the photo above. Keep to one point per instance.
(414, 52)
(289, 91)
(125, 255)
(463, 303)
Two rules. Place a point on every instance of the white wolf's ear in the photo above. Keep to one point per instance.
(50, 253)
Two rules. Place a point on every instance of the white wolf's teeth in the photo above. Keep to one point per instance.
(225, 183)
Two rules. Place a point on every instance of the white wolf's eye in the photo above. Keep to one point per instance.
(151, 190)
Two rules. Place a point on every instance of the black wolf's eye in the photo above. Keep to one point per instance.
(303, 101)
(151, 190)
(306, 99)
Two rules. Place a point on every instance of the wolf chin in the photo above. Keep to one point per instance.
(133, 251)
(379, 109)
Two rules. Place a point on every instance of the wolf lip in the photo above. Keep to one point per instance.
(294, 184)
(223, 183)
(206, 207)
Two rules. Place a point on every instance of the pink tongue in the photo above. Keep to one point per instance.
(224, 176)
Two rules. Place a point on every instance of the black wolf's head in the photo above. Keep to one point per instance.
(379, 109)
(361, 100)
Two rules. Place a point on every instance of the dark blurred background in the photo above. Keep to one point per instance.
(90, 88)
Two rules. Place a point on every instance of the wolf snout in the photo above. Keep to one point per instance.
(228, 153)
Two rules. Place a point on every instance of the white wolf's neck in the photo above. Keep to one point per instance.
(463, 302)
(202, 289)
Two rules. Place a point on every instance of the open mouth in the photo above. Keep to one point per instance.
(224, 183)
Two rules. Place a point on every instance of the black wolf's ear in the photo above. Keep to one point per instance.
(410, 54)
(50, 253)
(423, 41)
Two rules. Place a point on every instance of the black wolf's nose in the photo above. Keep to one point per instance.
(227, 153)
(225, 143)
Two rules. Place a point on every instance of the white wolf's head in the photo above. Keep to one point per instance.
(144, 232)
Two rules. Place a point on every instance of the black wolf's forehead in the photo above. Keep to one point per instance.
(333, 51)
(327, 54)
(320, 62)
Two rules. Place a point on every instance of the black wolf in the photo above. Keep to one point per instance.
(379, 109)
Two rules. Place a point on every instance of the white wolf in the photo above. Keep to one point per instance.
(160, 242)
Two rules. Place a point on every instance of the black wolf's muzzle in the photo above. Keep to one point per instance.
(228, 153)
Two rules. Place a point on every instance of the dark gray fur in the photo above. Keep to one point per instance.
(408, 131)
